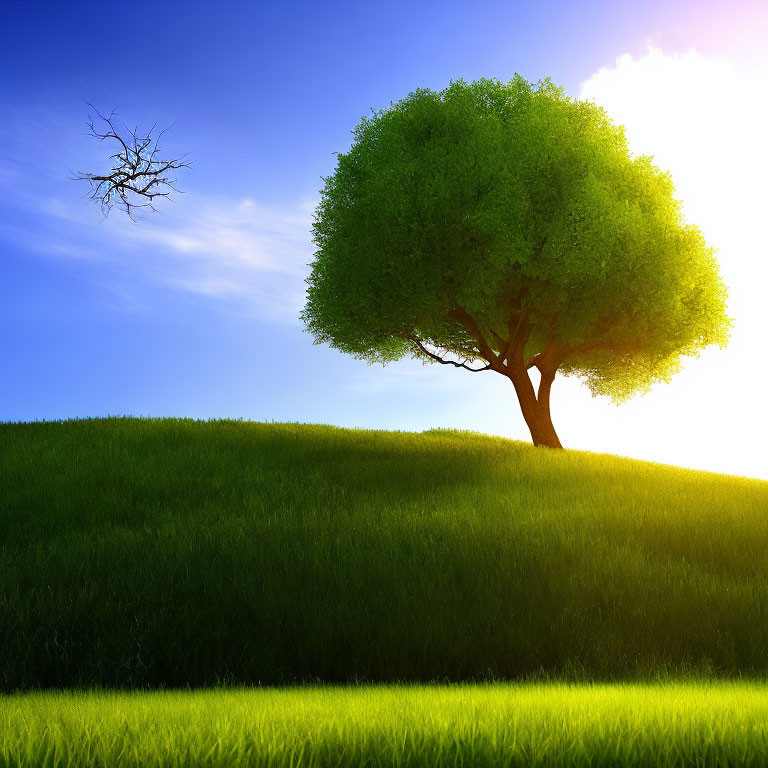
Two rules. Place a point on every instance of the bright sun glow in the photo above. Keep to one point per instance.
(704, 120)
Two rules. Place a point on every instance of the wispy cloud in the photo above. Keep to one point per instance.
(253, 253)
(237, 250)
(241, 235)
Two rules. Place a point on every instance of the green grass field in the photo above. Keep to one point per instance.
(161, 553)
(139, 553)
(496, 725)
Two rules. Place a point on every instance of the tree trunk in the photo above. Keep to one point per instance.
(536, 409)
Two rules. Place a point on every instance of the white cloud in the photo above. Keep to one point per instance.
(245, 250)
(254, 253)
(241, 235)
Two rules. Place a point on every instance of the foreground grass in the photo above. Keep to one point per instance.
(495, 725)
(140, 553)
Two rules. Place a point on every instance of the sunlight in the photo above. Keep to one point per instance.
(703, 119)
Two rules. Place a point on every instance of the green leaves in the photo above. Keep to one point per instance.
(501, 197)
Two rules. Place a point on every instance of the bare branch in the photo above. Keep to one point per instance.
(137, 176)
(460, 364)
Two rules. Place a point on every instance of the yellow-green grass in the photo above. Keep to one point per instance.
(139, 553)
(487, 725)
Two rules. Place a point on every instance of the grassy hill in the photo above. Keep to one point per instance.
(171, 552)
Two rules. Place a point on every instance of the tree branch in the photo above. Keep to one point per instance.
(473, 329)
(137, 176)
(541, 358)
(515, 342)
(419, 344)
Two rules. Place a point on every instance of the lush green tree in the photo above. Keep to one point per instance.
(506, 227)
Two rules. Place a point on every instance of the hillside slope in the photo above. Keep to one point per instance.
(171, 552)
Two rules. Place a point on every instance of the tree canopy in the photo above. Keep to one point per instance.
(506, 226)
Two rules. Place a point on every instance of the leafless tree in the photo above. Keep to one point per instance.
(138, 175)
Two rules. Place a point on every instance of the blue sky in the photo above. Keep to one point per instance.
(193, 312)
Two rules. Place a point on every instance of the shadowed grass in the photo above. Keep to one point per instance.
(171, 552)
(497, 725)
